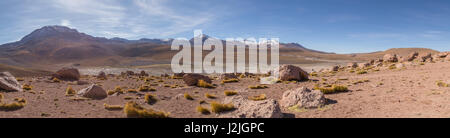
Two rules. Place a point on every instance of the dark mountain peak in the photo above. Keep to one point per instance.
(51, 31)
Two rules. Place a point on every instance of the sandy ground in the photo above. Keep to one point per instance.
(407, 92)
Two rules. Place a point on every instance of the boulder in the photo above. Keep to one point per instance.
(291, 72)
(227, 76)
(101, 75)
(252, 109)
(390, 58)
(68, 74)
(129, 73)
(8, 82)
(192, 79)
(426, 57)
(143, 73)
(442, 55)
(302, 98)
(93, 92)
(352, 65)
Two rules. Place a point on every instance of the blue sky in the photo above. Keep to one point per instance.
(341, 26)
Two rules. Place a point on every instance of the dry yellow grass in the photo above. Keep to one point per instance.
(230, 93)
(442, 84)
(218, 107)
(333, 89)
(112, 107)
(258, 87)
(203, 110)
(27, 87)
(204, 84)
(133, 110)
(210, 96)
(230, 80)
(187, 96)
(56, 80)
(18, 104)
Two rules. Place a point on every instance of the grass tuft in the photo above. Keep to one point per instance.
(112, 107)
(218, 107)
(442, 84)
(187, 96)
(203, 110)
(133, 110)
(230, 80)
(333, 89)
(210, 96)
(70, 91)
(204, 84)
(150, 98)
(27, 87)
(258, 87)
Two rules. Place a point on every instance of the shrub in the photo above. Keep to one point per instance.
(204, 84)
(150, 98)
(146, 88)
(118, 89)
(133, 110)
(210, 96)
(230, 93)
(314, 74)
(218, 108)
(230, 80)
(203, 110)
(187, 96)
(175, 77)
(112, 107)
(258, 87)
(442, 84)
(258, 98)
(20, 79)
(70, 91)
(18, 104)
(361, 72)
(27, 87)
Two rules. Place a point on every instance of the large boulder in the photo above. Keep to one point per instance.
(69, 74)
(93, 92)
(101, 75)
(302, 98)
(143, 73)
(390, 58)
(9, 83)
(291, 72)
(192, 79)
(252, 109)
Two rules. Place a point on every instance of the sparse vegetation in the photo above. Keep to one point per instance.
(361, 72)
(258, 97)
(204, 84)
(18, 104)
(56, 80)
(442, 84)
(70, 91)
(187, 96)
(218, 107)
(150, 98)
(133, 110)
(132, 91)
(258, 87)
(230, 93)
(210, 96)
(20, 79)
(27, 87)
(203, 110)
(112, 107)
(146, 88)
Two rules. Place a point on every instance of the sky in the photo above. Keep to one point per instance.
(340, 26)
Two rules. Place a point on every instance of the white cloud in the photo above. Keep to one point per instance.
(65, 22)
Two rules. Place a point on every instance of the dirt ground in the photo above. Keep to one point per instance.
(404, 92)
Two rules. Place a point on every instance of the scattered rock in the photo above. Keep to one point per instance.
(390, 58)
(442, 55)
(302, 98)
(412, 56)
(101, 75)
(363, 65)
(130, 73)
(352, 65)
(291, 72)
(68, 74)
(252, 109)
(9, 83)
(93, 92)
(192, 79)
